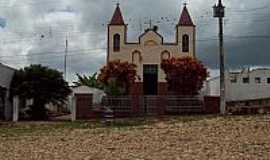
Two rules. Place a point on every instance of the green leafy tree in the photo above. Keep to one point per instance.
(43, 85)
(93, 82)
(90, 81)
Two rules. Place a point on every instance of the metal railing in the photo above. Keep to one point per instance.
(152, 105)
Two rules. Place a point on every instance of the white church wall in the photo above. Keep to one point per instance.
(151, 49)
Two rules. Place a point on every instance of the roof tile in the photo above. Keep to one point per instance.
(185, 19)
(117, 18)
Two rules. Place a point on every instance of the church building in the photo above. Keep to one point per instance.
(149, 51)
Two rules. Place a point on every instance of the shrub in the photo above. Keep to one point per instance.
(120, 74)
(43, 85)
(185, 76)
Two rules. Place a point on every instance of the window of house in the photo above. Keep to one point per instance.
(257, 80)
(246, 80)
(268, 80)
(116, 43)
(185, 43)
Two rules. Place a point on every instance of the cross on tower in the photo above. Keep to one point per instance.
(117, 2)
(185, 4)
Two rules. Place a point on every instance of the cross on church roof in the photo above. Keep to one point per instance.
(185, 4)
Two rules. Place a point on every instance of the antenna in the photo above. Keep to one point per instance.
(65, 59)
(141, 25)
(150, 23)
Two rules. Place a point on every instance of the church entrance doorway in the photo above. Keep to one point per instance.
(150, 79)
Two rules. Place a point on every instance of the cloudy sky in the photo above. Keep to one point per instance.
(34, 31)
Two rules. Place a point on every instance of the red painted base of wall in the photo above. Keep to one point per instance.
(211, 105)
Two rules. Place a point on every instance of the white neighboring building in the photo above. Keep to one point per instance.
(244, 85)
(6, 75)
(97, 97)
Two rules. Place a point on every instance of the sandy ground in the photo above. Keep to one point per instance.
(170, 138)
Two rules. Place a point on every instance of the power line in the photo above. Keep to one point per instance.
(266, 6)
(80, 51)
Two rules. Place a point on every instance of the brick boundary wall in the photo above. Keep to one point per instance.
(211, 104)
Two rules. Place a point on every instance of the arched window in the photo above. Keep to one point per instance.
(136, 57)
(116, 43)
(185, 43)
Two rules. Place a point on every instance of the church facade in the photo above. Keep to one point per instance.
(149, 51)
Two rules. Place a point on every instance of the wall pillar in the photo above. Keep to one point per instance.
(162, 88)
(73, 108)
(15, 116)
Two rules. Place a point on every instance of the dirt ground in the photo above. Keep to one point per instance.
(167, 138)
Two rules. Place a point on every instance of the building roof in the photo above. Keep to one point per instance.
(6, 66)
(185, 19)
(7, 75)
(117, 18)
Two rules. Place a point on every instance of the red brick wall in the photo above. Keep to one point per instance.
(137, 89)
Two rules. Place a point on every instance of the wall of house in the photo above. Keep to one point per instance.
(149, 49)
(6, 75)
(238, 90)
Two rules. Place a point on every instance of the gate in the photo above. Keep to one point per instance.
(153, 105)
(84, 103)
(184, 104)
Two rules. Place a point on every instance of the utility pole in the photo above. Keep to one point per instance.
(219, 12)
(65, 59)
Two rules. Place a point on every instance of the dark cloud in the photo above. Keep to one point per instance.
(84, 23)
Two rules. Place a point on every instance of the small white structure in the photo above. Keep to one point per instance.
(97, 98)
(97, 93)
(6, 75)
(244, 85)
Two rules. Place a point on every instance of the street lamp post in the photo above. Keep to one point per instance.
(219, 12)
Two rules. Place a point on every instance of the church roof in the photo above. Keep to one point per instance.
(117, 18)
(185, 19)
